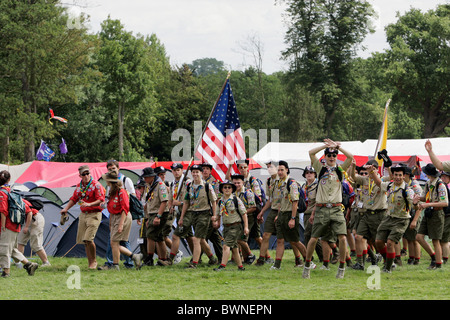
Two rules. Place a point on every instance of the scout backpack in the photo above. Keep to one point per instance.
(136, 208)
(447, 208)
(301, 207)
(16, 207)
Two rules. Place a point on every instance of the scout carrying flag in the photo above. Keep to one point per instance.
(222, 143)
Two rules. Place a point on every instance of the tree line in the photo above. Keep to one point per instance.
(123, 98)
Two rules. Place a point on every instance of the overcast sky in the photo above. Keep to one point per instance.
(194, 29)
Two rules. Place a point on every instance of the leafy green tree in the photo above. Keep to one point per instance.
(417, 66)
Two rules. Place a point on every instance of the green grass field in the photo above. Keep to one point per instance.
(255, 283)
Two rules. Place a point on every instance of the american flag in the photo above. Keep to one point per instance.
(222, 142)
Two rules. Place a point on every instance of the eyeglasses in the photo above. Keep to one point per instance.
(329, 155)
(363, 173)
(85, 174)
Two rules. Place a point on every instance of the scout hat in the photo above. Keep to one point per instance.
(160, 169)
(330, 150)
(308, 169)
(398, 167)
(176, 166)
(430, 170)
(196, 167)
(227, 182)
(445, 173)
(148, 172)
(110, 177)
(83, 168)
(207, 165)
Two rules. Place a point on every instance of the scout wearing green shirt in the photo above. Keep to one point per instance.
(434, 199)
(199, 208)
(287, 224)
(329, 208)
(234, 220)
(394, 224)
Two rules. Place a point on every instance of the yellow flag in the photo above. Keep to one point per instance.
(382, 140)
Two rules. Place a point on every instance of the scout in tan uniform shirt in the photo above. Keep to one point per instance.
(248, 199)
(287, 224)
(372, 206)
(329, 208)
(440, 165)
(234, 220)
(196, 201)
(156, 211)
(269, 223)
(394, 224)
(433, 200)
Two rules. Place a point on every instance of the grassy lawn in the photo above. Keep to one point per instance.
(255, 283)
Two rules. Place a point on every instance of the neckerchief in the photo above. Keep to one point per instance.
(83, 190)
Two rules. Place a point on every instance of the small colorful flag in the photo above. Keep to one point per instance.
(63, 146)
(44, 152)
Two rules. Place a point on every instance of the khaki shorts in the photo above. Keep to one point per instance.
(153, 232)
(114, 220)
(253, 226)
(369, 223)
(8, 248)
(326, 218)
(410, 234)
(269, 223)
(185, 231)
(283, 230)
(433, 227)
(35, 233)
(167, 229)
(392, 228)
(232, 234)
(88, 224)
(446, 233)
(200, 223)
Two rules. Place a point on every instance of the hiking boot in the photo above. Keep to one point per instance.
(410, 261)
(269, 260)
(219, 268)
(212, 261)
(299, 263)
(162, 263)
(398, 262)
(31, 267)
(250, 259)
(403, 252)
(340, 273)
(105, 267)
(324, 267)
(306, 273)
(385, 270)
(5, 275)
(115, 267)
(137, 259)
(358, 266)
(178, 257)
(260, 262)
(46, 264)
(275, 268)
(334, 259)
(432, 265)
(191, 266)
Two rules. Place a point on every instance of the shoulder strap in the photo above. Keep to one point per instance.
(236, 205)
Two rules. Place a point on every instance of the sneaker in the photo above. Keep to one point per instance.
(178, 257)
(432, 265)
(306, 273)
(115, 267)
(386, 270)
(137, 259)
(410, 261)
(312, 265)
(241, 269)
(340, 273)
(299, 263)
(403, 252)
(31, 268)
(46, 264)
(275, 268)
(5, 275)
(219, 268)
(358, 266)
(398, 262)
(270, 261)
(324, 267)
(162, 263)
(191, 266)
(260, 262)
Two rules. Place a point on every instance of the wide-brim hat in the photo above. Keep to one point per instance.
(308, 169)
(430, 170)
(110, 177)
(160, 169)
(148, 172)
(226, 182)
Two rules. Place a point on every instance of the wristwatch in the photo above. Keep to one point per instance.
(293, 218)
(159, 216)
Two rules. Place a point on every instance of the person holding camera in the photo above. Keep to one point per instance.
(434, 199)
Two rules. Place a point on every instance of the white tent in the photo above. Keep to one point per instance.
(297, 154)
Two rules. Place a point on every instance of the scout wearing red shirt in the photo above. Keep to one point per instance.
(89, 194)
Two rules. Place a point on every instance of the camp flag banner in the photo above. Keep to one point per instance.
(222, 143)
(382, 140)
(63, 147)
(44, 152)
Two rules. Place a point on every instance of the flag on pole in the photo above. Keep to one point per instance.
(44, 152)
(382, 139)
(63, 147)
(222, 142)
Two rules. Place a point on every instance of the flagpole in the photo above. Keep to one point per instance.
(212, 111)
(382, 127)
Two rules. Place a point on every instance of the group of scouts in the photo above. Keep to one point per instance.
(381, 213)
